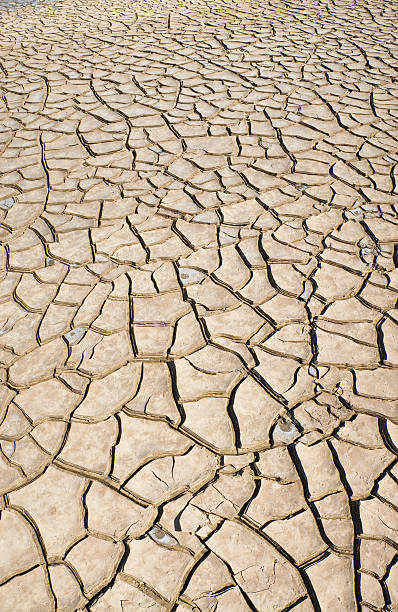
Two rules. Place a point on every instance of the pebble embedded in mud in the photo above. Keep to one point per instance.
(161, 537)
(285, 431)
(190, 276)
(7, 204)
(75, 335)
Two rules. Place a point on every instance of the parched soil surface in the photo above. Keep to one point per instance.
(198, 306)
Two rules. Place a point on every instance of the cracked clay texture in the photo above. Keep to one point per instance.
(198, 306)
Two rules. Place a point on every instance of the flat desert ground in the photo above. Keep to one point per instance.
(198, 306)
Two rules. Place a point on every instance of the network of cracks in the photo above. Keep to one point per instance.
(198, 306)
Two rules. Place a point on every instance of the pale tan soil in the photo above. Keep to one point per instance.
(198, 322)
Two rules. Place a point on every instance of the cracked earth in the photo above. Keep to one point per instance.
(198, 306)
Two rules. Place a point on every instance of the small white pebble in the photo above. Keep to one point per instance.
(190, 276)
(308, 289)
(313, 371)
(285, 432)
(99, 258)
(161, 537)
(75, 335)
(7, 203)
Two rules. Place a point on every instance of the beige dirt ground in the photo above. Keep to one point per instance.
(198, 321)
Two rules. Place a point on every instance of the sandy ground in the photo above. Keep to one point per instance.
(198, 321)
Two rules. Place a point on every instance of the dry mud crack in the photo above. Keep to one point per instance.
(198, 306)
